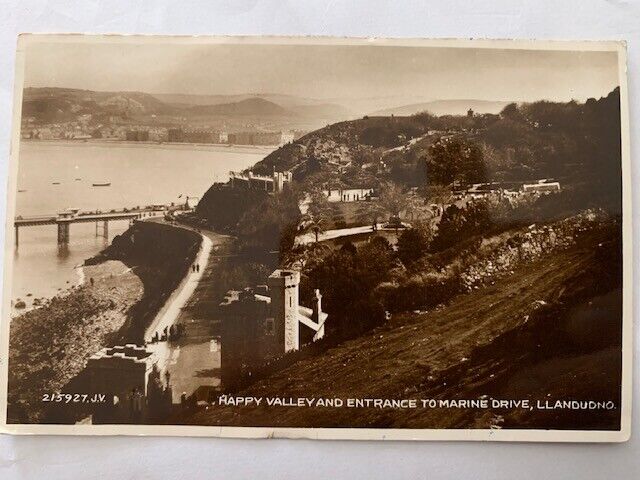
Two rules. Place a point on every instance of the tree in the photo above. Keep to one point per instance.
(393, 201)
(370, 212)
(512, 112)
(455, 160)
(459, 224)
(347, 278)
(270, 225)
(414, 206)
(319, 214)
(413, 243)
(439, 194)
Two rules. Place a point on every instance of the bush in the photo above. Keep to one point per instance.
(421, 291)
(459, 224)
(412, 244)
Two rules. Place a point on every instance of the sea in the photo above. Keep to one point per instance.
(56, 175)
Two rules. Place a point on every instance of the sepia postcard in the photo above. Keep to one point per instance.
(330, 238)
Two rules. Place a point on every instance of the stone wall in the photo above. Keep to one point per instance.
(514, 248)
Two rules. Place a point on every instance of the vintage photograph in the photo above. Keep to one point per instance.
(260, 236)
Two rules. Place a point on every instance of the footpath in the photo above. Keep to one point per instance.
(192, 360)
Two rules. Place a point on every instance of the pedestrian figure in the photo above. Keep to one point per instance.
(91, 281)
(197, 267)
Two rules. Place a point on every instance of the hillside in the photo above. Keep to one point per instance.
(446, 107)
(285, 101)
(258, 107)
(50, 105)
(578, 144)
(63, 104)
(343, 152)
(531, 335)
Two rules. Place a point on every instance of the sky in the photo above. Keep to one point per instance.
(322, 71)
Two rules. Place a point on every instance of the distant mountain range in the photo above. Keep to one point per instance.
(445, 107)
(62, 104)
(49, 105)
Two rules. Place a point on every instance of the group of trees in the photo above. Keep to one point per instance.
(580, 142)
(390, 203)
(271, 224)
(460, 223)
(455, 160)
(347, 278)
(222, 208)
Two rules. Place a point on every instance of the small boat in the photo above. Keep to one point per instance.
(78, 179)
(55, 183)
(21, 191)
(102, 184)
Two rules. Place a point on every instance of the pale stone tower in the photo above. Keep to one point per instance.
(283, 288)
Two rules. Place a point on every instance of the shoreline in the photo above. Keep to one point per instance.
(214, 147)
(16, 312)
(114, 309)
(71, 326)
(81, 276)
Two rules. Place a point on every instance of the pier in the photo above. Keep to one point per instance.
(63, 220)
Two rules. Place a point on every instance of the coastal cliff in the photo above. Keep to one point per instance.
(125, 285)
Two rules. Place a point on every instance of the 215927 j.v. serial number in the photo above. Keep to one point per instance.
(74, 397)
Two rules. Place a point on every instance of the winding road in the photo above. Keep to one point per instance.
(193, 360)
(169, 313)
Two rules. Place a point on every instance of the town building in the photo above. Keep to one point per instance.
(348, 194)
(541, 186)
(481, 190)
(137, 135)
(42, 134)
(273, 184)
(158, 134)
(266, 322)
(196, 135)
(258, 138)
(128, 376)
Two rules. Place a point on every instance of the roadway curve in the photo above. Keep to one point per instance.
(170, 311)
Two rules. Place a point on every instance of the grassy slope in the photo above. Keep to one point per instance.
(447, 353)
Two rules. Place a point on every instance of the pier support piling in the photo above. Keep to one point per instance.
(104, 231)
(63, 233)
